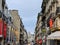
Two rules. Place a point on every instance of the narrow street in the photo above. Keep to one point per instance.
(29, 22)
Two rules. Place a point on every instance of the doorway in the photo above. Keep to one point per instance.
(58, 42)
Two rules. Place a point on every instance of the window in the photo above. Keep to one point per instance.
(58, 10)
(0, 14)
(3, 3)
(10, 18)
(20, 30)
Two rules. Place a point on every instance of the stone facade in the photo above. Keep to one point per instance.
(16, 22)
(50, 19)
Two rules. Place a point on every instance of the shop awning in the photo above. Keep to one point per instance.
(55, 35)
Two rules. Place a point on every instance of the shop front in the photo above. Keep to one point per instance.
(54, 38)
(43, 36)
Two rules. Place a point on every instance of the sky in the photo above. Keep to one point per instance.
(28, 11)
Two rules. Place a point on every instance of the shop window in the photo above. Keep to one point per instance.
(58, 42)
(52, 42)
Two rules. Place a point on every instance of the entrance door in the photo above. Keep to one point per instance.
(58, 42)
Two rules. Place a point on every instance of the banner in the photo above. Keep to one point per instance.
(51, 23)
(1, 27)
(43, 30)
(5, 29)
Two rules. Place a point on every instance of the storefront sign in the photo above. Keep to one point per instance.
(43, 30)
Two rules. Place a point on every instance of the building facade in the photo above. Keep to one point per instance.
(31, 39)
(23, 34)
(3, 21)
(50, 22)
(53, 16)
(11, 26)
(16, 22)
(38, 33)
(25, 37)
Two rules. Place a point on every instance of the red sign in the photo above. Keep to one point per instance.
(5, 29)
(51, 23)
(1, 27)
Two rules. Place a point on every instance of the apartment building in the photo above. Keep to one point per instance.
(10, 26)
(23, 34)
(31, 38)
(16, 23)
(38, 31)
(3, 21)
(25, 37)
(52, 21)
